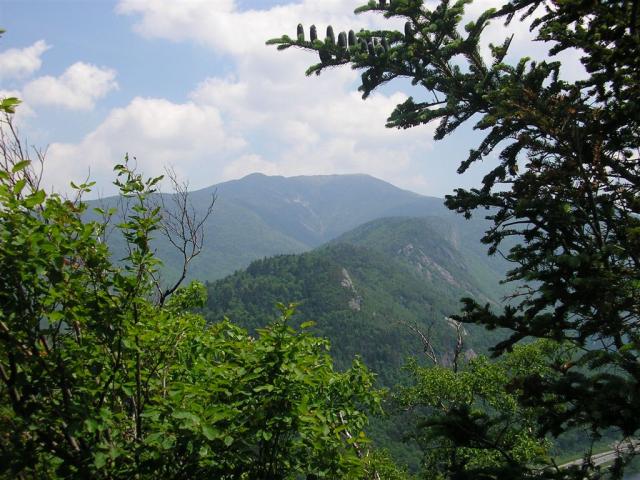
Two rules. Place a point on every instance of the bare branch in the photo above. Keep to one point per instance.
(457, 351)
(355, 444)
(427, 345)
(12, 153)
(429, 349)
(183, 227)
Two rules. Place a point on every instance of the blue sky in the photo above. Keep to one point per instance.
(191, 85)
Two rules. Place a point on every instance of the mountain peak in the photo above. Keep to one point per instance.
(261, 215)
(305, 181)
(254, 175)
(313, 209)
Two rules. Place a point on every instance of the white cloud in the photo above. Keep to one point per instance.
(263, 116)
(298, 125)
(247, 164)
(78, 88)
(306, 125)
(159, 133)
(219, 91)
(324, 133)
(223, 27)
(22, 62)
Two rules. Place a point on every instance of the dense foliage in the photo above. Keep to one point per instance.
(396, 295)
(100, 379)
(365, 290)
(469, 422)
(566, 185)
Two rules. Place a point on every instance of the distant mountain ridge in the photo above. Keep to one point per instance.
(366, 260)
(316, 209)
(260, 216)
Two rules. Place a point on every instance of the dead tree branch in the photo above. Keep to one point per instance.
(429, 349)
(457, 351)
(356, 445)
(183, 227)
(427, 344)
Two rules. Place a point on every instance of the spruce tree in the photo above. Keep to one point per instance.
(564, 198)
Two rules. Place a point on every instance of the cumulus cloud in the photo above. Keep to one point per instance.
(78, 88)
(159, 133)
(250, 163)
(298, 125)
(307, 125)
(265, 116)
(222, 26)
(324, 133)
(22, 62)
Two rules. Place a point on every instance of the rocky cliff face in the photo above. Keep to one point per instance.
(355, 303)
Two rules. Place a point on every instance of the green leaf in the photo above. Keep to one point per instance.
(20, 166)
(184, 415)
(9, 104)
(100, 459)
(262, 388)
(35, 199)
(91, 425)
(19, 186)
(210, 433)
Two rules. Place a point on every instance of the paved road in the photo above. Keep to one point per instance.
(606, 457)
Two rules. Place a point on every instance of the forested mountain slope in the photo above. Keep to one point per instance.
(366, 289)
(260, 216)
